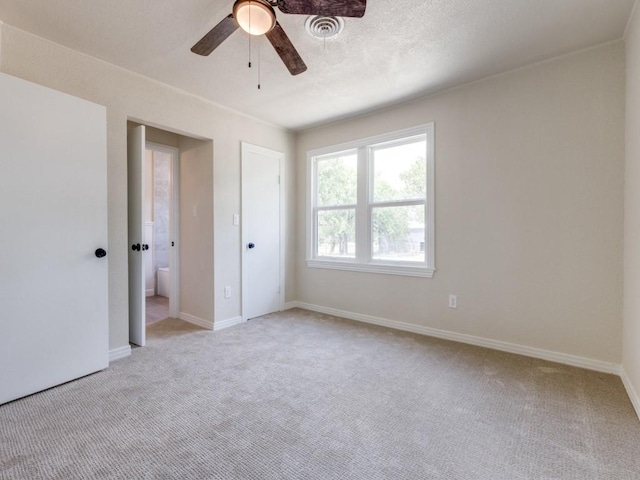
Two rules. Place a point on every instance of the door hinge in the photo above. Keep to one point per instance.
(278, 179)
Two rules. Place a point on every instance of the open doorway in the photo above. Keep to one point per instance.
(153, 171)
(160, 210)
(185, 285)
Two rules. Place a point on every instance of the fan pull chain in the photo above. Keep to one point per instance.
(249, 35)
(258, 66)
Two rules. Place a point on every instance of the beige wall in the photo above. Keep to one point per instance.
(196, 228)
(631, 333)
(129, 96)
(529, 177)
(162, 137)
(529, 210)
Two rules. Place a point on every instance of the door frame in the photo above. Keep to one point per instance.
(245, 149)
(174, 223)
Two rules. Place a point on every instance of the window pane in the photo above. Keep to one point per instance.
(338, 180)
(336, 233)
(400, 171)
(399, 233)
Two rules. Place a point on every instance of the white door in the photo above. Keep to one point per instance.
(261, 231)
(53, 215)
(137, 248)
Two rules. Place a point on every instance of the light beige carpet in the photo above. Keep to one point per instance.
(299, 395)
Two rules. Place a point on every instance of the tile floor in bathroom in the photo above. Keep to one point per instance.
(157, 309)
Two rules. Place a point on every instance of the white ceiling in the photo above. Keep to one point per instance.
(400, 49)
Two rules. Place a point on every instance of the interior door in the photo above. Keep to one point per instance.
(261, 231)
(137, 248)
(53, 212)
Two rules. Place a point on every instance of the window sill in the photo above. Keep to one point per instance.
(387, 269)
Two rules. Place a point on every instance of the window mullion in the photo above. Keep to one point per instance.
(397, 203)
(336, 207)
(312, 202)
(363, 234)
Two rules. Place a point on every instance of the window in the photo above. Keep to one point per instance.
(370, 205)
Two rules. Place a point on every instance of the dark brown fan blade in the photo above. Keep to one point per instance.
(215, 37)
(286, 50)
(331, 8)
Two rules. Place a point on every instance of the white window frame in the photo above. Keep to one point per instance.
(364, 262)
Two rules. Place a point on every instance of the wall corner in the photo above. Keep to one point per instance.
(631, 391)
(631, 285)
(630, 20)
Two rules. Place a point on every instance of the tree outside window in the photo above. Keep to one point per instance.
(372, 204)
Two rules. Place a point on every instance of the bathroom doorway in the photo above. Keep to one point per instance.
(160, 231)
(190, 239)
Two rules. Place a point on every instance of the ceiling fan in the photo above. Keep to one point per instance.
(257, 17)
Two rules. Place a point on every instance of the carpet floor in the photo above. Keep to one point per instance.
(301, 395)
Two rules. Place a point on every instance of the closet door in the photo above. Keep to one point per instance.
(53, 216)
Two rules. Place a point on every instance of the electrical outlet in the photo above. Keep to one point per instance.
(236, 219)
(453, 301)
(227, 292)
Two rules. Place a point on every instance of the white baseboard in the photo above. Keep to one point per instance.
(196, 321)
(150, 292)
(229, 322)
(558, 357)
(118, 353)
(633, 394)
(290, 305)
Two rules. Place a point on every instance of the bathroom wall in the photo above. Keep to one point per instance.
(161, 205)
(147, 217)
(158, 195)
(147, 208)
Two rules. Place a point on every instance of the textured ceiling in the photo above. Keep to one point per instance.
(400, 49)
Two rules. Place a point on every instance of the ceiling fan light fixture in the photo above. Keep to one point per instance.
(255, 17)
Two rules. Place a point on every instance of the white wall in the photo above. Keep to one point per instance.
(529, 210)
(631, 344)
(129, 96)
